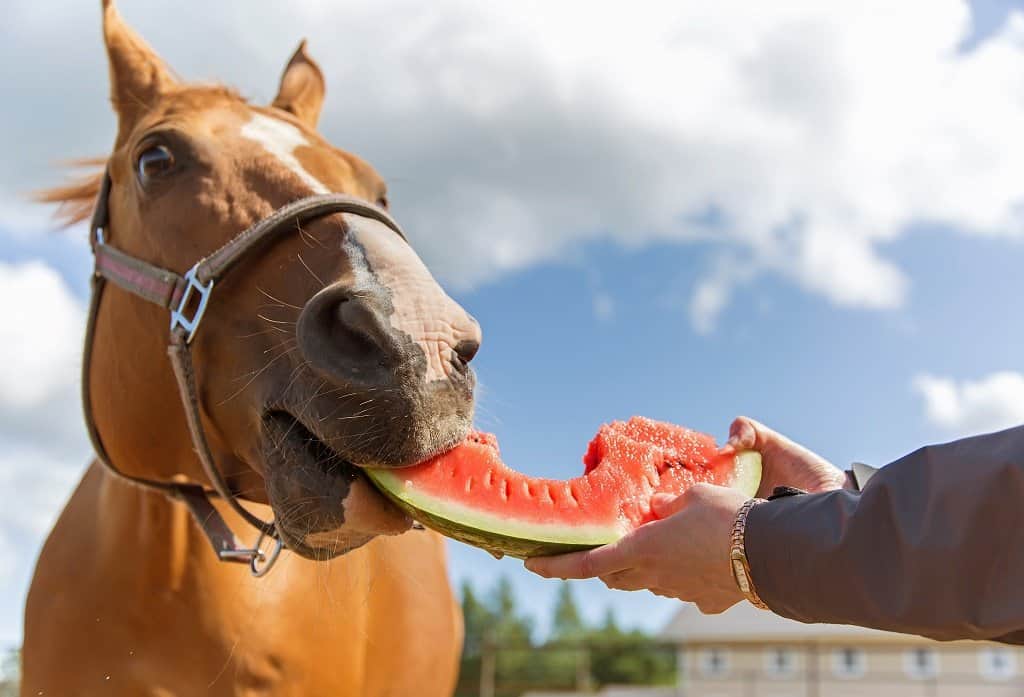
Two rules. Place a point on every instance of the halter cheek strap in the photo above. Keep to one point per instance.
(186, 297)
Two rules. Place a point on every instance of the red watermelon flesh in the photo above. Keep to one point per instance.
(469, 494)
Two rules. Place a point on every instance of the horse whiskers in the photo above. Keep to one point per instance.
(274, 321)
(311, 272)
(305, 236)
(257, 374)
(296, 372)
(280, 303)
(284, 343)
(262, 332)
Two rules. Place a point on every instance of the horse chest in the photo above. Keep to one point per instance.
(377, 622)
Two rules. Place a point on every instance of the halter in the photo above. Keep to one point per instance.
(186, 297)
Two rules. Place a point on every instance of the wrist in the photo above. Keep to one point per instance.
(738, 556)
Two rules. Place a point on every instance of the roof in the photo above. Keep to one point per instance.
(744, 623)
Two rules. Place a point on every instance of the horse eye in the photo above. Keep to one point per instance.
(154, 162)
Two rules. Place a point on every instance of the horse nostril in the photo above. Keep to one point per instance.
(344, 334)
(362, 321)
(466, 350)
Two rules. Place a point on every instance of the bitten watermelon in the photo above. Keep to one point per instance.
(469, 494)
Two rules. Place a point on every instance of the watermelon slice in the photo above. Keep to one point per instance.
(469, 494)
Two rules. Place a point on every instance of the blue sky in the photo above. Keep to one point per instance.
(598, 300)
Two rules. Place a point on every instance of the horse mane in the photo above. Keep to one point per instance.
(75, 200)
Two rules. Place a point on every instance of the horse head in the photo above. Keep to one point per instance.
(329, 350)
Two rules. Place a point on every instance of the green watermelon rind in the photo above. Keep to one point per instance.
(506, 537)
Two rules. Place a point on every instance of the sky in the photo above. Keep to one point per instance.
(811, 213)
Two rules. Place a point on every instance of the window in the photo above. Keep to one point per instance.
(921, 663)
(714, 663)
(997, 663)
(849, 663)
(780, 662)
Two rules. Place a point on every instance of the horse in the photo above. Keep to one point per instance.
(326, 346)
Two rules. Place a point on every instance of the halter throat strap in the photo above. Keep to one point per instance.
(186, 297)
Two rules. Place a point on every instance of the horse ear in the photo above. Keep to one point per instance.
(137, 74)
(302, 88)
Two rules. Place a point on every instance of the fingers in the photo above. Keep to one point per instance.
(628, 580)
(747, 434)
(665, 505)
(595, 562)
(714, 605)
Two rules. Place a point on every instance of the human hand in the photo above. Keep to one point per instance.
(784, 462)
(684, 554)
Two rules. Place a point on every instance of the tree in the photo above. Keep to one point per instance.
(477, 619)
(567, 623)
(628, 658)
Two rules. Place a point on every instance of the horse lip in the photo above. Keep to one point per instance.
(282, 412)
(287, 423)
(426, 458)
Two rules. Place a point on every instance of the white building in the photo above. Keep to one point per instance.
(746, 652)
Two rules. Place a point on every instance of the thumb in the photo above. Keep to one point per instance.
(665, 505)
(747, 434)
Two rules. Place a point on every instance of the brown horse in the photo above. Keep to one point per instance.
(328, 348)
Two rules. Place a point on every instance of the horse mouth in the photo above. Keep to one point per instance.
(292, 438)
(323, 503)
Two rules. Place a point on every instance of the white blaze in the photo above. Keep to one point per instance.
(281, 139)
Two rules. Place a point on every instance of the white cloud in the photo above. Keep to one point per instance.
(515, 133)
(973, 406)
(715, 288)
(40, 335)
(42, 441)
(43, 447)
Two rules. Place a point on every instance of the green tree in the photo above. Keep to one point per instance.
(513, 635)
(567, 623)
(628, 658)
(497, 624)
(477, 619)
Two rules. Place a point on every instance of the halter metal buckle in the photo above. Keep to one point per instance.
(179, 316)
(259, 561)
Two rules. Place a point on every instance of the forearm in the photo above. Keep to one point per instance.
(934, 545)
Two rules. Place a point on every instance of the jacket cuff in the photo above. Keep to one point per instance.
(858, 475)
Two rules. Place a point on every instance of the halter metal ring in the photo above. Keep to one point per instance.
(179, 316)
(260, 564)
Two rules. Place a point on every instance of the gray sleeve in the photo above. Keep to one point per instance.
(932, 545)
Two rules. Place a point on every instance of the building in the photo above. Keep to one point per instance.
(746, 652)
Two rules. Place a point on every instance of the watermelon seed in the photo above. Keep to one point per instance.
(469, 485)
(504, 490)
(488, 477)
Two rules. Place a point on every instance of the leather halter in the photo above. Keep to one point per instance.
(186, 297)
